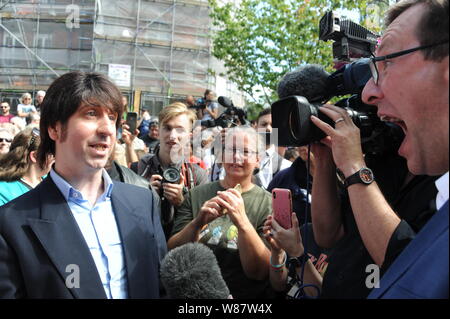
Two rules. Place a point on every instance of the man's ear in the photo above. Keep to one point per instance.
(55, 132)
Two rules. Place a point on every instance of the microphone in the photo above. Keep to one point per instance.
(309, 81)
(225, 102)
(191, 271)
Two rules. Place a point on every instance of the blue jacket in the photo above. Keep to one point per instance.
(421, 270)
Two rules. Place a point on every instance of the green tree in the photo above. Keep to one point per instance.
(261, 40)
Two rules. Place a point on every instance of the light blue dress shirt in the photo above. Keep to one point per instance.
(99, 228)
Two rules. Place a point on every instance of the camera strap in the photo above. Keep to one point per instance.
(189, 175)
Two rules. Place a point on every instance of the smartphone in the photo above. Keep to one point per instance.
(132, 121)
(282, 207)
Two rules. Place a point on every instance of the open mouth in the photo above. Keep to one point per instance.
(101, 148)
(394, 120)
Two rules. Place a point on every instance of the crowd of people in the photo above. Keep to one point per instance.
(85, 198)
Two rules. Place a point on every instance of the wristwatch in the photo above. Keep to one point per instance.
(299, 261)
(363, 176)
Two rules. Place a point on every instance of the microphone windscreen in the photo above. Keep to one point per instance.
(309, 81)
(224, 101)
(191, 271)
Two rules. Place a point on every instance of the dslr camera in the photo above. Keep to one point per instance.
(200, 104)
(352, 42)
(232, 116)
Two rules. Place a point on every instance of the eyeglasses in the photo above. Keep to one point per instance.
(8, 140)
(373, 60)
(34, 133)
(245, 153)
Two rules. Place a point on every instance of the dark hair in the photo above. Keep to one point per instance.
(291, 153)
(264, 112)
(207, 92)
(432, 27)
(66, 94)
(15, 164)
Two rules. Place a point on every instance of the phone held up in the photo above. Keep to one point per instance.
(282, 207)
(132, 121)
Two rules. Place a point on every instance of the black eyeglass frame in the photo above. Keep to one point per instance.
(373, 60)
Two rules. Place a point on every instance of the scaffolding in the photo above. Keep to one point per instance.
(155, 50)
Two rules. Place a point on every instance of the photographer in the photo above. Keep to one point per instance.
(387, 219)
(210, 109)
(175, 131)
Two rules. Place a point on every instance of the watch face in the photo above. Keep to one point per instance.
(366, 175)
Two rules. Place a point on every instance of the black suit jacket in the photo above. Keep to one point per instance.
(40, 239)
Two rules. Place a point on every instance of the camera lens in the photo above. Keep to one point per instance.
(171, 175)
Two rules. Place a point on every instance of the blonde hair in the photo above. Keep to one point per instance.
(25, 95)
(176, 109)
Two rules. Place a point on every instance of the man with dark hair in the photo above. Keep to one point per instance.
(410, 86)
(5, 115)
(211, 110)
(271, 162)
(151, 140)
(78, 234)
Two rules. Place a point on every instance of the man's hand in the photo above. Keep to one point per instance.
(155, 181)
(127, 137)
(344, 139)
(174, 192)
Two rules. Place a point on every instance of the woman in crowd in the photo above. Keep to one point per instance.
(19, 170)
(230, 222)
(25, 108)
(6, 138)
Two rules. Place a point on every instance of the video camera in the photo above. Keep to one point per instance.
(232, 116)
(352, 41)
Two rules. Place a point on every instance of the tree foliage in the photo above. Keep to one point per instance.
(261, 40)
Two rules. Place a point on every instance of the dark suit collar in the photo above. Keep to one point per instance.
(60, 236)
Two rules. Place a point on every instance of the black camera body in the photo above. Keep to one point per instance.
(232, 116)
(351, 40)
(200, 104)
(376, 136)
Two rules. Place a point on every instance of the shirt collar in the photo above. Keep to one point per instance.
(70, 192)
(270, 151)
(442, 186)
